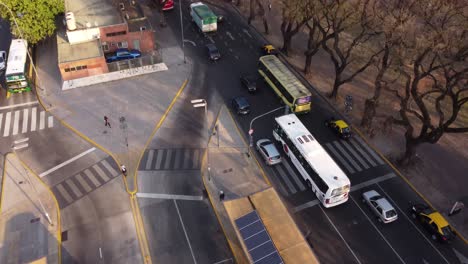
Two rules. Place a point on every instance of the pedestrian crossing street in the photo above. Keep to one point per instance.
(21, 121)
(172, 159)
(86, 181)
(352, 155)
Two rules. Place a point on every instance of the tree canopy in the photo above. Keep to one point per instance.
(36, 18)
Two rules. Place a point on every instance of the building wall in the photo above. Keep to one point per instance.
(83, 68)
(111, 36)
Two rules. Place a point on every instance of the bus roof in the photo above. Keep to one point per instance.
(310, 148)
(285, 76)
(202, 10)
(16, 57)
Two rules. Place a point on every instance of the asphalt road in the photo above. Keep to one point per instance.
(344, 234)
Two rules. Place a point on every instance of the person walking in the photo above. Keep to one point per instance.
(106, 120)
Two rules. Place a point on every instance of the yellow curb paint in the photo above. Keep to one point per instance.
(139, 225)
(405, 179)
(252, 154)
(59, 225)
(156, 128)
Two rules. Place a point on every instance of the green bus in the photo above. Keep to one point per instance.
(15, 73)
(285, 84)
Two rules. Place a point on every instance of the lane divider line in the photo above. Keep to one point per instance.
(67, 162)
(18, 105)
(169, 196)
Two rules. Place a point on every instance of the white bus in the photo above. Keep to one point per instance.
(15, 73)
(329, 183)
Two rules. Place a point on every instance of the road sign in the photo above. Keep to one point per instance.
(250, 131)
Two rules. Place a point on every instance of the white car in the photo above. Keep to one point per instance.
(268, 151)
(2, 60)
(380, 206)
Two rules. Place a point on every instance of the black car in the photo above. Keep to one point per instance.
(213, 52)
(240, 105)
(433, 222)
(249, 82)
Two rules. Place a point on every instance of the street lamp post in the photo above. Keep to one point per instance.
(257, 117)
(22, 37)
(182, 29)
(202, 103)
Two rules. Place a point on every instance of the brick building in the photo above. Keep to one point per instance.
(93, 28)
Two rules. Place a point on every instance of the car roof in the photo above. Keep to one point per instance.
(438, 219)
(242, 101)
(384, 204)
(341, 124)
(271, 149)
(211, 46)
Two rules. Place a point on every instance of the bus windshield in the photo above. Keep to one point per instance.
(304, 100)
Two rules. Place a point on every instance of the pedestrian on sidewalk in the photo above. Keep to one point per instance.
(106, 120)
(221, 195)
(269, 6)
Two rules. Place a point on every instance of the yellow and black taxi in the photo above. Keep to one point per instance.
(432, 221)
(339, 126)
(268, 49)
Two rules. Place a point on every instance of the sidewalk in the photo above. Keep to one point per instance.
(25, 232)
(440, 191)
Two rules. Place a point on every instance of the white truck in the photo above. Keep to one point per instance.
(205, 19)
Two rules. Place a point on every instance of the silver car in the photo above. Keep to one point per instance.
(268, 151)
(380, 206)
(2, 60)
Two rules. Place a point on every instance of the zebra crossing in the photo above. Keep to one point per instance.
(172, 159)
(86, 181)
(352, 155)
(21, 121)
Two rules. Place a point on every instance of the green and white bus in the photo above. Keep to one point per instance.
(15, 73)
(285, 84)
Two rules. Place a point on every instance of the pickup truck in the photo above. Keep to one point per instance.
(123, 54)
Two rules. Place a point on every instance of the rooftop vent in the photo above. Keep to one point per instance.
(71, 22)
(122, 6)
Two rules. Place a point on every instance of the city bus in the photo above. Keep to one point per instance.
(321, 173)
(15, 73)
(285, 84)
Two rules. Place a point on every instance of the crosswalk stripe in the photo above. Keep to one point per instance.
(109, 168)
(340, 158)
(159, 156)
(149, 159)
(167, 163)
(64, 193)
(73, 187)
(186, 159)
(92, 178)
(347, 146)
(50, 121)
(101, 173)
(42, 120)
(178, 158)
(363, 153)
(25, 120)
(294, 175)
(83, 183)
(374, 155)
(16, 123)
(277, 181)
(1, 119)
(33, 118)
(340, 148)
(6, 131)
(196, 154)
(286, 179)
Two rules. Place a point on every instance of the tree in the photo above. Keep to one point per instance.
(435, 74)
(36, 18)
(295, 14)
(352, 24)
(261, 12)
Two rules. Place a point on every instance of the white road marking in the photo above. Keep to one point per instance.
(340, 158)
(229, 35)
(185, 232)
(18, 105)
(294, 176)
(42, 120)
(342, 238)
(285, 177)
(363, 153)
(109, 168)
(196, 154)
(170, 196)
(50, 121)
(412, 223)
(306, 205)
(159, 156)
(1, 119)
(21, 140)
(67, 162)
(150, 159)
(376, 157)
(463, 259)
(83, 183)
(73, 187)
(101, 173)
(341, 149)
(21, 146)
(92, 178)
(348, 146)
(24, 129)
(372, 223)
(210, 39)
(186, 159)
(33, 119)
(64, 193)
(247, 32)
(167, 163)
(6, 131)
(224, 261)
(16, 122)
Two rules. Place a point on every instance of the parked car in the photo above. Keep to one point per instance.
(221, 19)
(268, 151)
(213, 52)
(240, 105)
(249, 82)
(268, 49)
(2, 60)
(432, 221)
(380, 206)
(340, 127)
(123, 54)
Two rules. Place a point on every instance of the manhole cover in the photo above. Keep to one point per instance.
(34, 220)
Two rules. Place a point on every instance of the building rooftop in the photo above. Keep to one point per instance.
(81, 51)
(93, 13)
